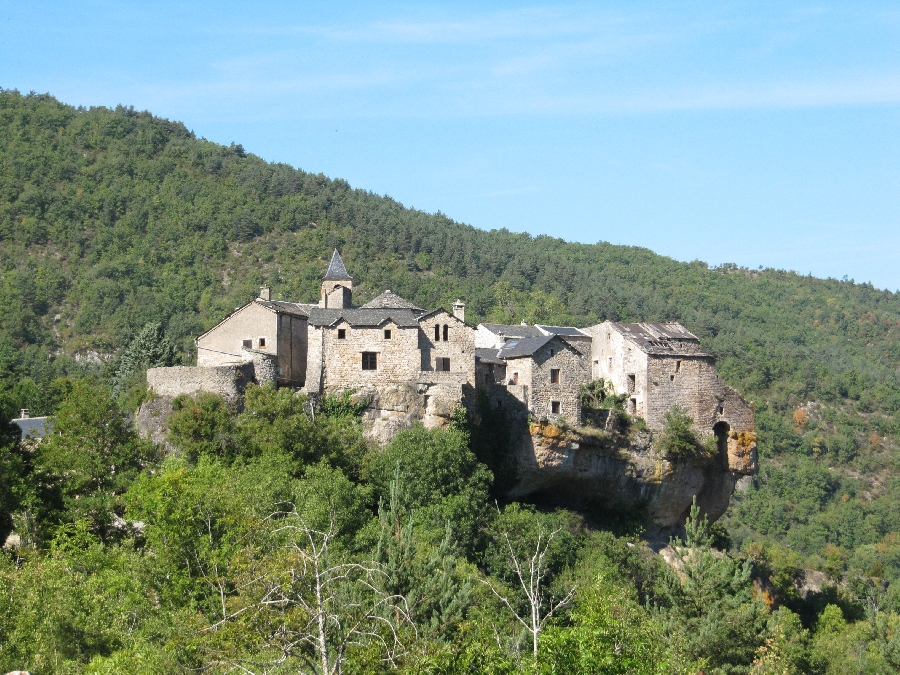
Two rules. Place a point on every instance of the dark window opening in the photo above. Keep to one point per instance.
(721, 408)
(678, 366)
(262, 343)
(437, 333)
(554, 376)
(370, 360)
(631, 384)
(442, 364)
(248, 344)
(554, 407)
(515, 378)
(720, 431)
(387, 333)
(446, 333)
(342, 333)
(672, 378)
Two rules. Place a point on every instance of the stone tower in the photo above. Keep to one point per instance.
(337, 285)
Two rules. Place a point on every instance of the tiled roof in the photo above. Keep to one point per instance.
(661, 338)
(524, 347)
(513, 331)
(562, 330)
(336, 270)
(389, 300)
(361, 317)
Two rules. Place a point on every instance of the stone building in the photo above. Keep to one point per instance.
(543, 374)
(262, 326)
(661, 365)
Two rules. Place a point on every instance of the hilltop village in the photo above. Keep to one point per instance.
(415, 363)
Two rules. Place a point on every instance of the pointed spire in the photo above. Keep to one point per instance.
(336, 270)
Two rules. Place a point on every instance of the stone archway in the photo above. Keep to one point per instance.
(720, 431)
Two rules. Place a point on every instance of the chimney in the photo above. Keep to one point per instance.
(265, 293)
(459, 310)
(24, 413)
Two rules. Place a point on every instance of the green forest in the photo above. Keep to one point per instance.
(275, 539)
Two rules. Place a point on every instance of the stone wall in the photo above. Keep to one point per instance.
(223, 344)
(459, 347)
(614, 359)
(228, 381)
(398, 357)
(556, 355)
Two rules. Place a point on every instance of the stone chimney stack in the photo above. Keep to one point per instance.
(459, 310)
(265, 293)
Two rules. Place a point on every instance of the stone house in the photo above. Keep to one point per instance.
(544, 374)
(262, 326)
(661, 365)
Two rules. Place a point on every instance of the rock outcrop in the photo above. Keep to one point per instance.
(623, 471)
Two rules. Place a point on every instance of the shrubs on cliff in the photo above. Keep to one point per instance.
(678, 440)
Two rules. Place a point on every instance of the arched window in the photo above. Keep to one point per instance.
(446, 332)
(437, 333)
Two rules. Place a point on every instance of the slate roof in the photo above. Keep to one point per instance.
(34, 427)
(336, 270)
(513, 331)
(282, 307)
(363, 317)
(483, 355)
(562, 330)
(515, 349)
(389, 300)
(666, 338)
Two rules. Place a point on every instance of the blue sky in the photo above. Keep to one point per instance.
(754, 133)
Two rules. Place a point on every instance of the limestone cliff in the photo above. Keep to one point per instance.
(623, 470)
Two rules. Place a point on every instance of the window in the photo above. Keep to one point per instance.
(442, 364)
(515, 378)
(342, 333)
(678, 366)
(437, 333)
(262, 343)
(370, 360)
(632, 406)
(554, 407)
(248, 344)
(554, 376)
(631, 384)
(446, 332)
(387, 333)
(672, 378)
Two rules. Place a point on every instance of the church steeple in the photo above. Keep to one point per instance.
(337, 285)
(336, 270)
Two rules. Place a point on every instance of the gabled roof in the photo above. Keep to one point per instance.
(363, 318)
(389, 300)
(515, 349)
(504, 330)
(660, 338)
(569, 331)
(277, 306)
(336, 270)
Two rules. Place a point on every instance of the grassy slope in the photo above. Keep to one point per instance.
(113, 218)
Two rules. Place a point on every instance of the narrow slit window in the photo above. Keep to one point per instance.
(678, 366)
(342, 333)
(370, 360)
(554, 407)
(554, 376)
(437, 333)
(387, 333)
(446, 333)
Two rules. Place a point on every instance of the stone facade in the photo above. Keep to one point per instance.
(228, 381)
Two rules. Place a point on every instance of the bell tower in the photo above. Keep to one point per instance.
(337, 285)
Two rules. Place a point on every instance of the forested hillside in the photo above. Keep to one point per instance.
(116, 225)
